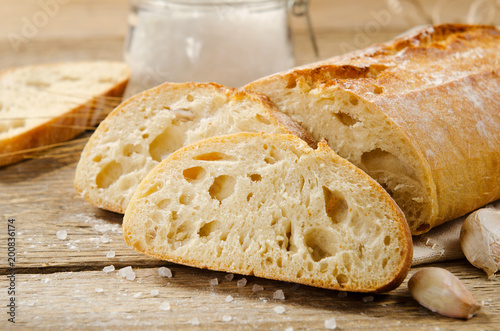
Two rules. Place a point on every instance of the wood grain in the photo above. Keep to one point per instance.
(56, 279)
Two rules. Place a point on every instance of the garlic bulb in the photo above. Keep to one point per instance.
(440, 291)
(480, 240)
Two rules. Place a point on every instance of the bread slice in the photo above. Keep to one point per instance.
(271, 206)
(46, 104)
(145, 129)
(420, 114)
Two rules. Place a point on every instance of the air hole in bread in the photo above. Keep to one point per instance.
(185, 199)
(109, 174)
(299, 274)
(151, 235)
(183, 232)
(249, 196)
(164, 144)
(97, 158)
(320, 243)
(347, 261)
(183, 114)
(335, 206)
(262, 119)
(387, 240)
(194, 174)
(377, 161)
(384, 262)
(38, 84)
(163, 204)
(208, 228)
(292, 83)
(378, 90)
(222, 187)
(189, 98)
(145, 136)
(17, 123)
(342, 280)
(256, 177)
(214, 156)
(423, 228)
(323, 267)
(269, 160)
(269, 261)
(130, 149)
(153, 188)
(174, 215)
(279, 262)
(74, 79)
(353, 100)
(345, 119)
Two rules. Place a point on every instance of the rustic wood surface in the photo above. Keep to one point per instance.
(60, 283)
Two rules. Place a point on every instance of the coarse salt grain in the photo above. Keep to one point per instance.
(226, 318)
(331, 324)
(110, 254)
(257, 288)
(229, 277)
(214, 282)
(155, 292)
(127, 272)
(109, 269)
(229, 298)
(195, 321)
(242, 282)
(61, 234)
(137, 295)
(164, 272)
(289, 328)
(368, 299)
(99, 289)
(279, 295)
(165, 306)
(104, 239)
(279, 309)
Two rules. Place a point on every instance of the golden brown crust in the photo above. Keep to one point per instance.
(440, 87)
(59, 129)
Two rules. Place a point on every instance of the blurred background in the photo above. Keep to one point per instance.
(38, 31)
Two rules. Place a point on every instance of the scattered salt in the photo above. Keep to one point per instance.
(331, 324)
(226, 318)
(342, 294)
(229, 277)
(195, 321)
(279, 295)
(165, 306)
(165, 272)
(279, 309)
(257, 288)
(229, 298)
(99, 289)
(155, 292)
(61, 234)
(368, 299)
(104, 239)
(110, 254)
(242, 282)
(137, 295)
(127, 272)
(109, 269)
(214, 282)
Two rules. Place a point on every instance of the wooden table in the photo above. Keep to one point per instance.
(60, 283)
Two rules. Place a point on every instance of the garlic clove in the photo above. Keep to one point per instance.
(480, 240)
(440, 291)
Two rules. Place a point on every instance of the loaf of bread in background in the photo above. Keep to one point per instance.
(146, 128)
(46, 104)
(420, 114)
(271, 206)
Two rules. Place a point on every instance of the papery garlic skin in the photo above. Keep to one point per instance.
(440, 291)
(480, 240)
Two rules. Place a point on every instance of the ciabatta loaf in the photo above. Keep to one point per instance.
(46, 104)
(420, 114)
(145, 129)
(271, 206)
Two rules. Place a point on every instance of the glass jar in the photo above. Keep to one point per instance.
(227, 42)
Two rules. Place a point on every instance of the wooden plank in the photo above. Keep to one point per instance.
(75, 300)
